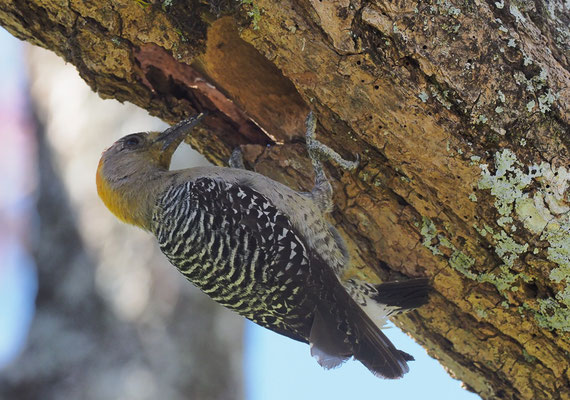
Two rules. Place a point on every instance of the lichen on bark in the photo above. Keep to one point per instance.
(450, 105)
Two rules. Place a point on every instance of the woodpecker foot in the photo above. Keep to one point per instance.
(319, 150)
(236, 159)
(322, 192)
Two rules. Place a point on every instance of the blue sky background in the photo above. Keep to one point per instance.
(279, 368)
(275, 367)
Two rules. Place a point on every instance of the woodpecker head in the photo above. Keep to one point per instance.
(129, 168)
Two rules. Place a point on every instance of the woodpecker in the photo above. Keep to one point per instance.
(259, 247)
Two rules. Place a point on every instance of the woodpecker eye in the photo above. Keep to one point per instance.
(132, 141)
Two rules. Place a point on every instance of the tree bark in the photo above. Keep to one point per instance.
(459, 111)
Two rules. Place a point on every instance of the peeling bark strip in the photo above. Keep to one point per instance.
(153, 58)
(459, 111)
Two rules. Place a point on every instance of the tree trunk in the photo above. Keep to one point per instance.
(459, 111)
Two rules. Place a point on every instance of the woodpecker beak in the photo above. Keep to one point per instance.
(173, 136)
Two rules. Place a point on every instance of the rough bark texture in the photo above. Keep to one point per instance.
(459, 111)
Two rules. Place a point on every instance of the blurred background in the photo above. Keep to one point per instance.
(90, 309)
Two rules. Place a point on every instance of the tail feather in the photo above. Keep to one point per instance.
(366, 342)
(405, 295)
(376, 351)
(341, 327)
(327, 342)
(407, 357)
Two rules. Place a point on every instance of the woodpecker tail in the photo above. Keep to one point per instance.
(382, 301)
(343, 329)
(403, 296)
(376, 351)
(343, 326)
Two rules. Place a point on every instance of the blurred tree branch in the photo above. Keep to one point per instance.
(80, 345)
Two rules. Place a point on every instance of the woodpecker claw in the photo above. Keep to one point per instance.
(319, 151)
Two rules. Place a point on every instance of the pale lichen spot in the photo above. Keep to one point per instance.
(508, 249)
(516, 13)
(527, 60)
(428, 232)
(501, 96)
(544, 211)
(546, 100)
(481, 119)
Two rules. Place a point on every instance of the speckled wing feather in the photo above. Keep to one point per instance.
(233, 244)
(237, 247)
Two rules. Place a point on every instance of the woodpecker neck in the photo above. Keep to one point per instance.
(132, 197)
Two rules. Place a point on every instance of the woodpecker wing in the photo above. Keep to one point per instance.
(233, 244)
(241, 250)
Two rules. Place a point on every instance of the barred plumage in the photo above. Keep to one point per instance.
(259, 247)
(237, 247)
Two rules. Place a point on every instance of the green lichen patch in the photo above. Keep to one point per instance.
(552, 316)
(480, 119)
(507, 249)
(442, 97)
(546, 100)
(513, 9)
(528, 357)
(559, 253)
(482, 231)
(462, 263)
(534, 218)
(458, 260)
(501, 95)
(482, 314)
(254, 13)
(166, 4)
(535, 83)
(537, 196)
(506, 183)
(429, 233)
(504, 281)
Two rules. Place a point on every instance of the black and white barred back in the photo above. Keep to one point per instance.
(233, 244)
(237, 247)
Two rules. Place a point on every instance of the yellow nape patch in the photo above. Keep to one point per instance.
(115, 201)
